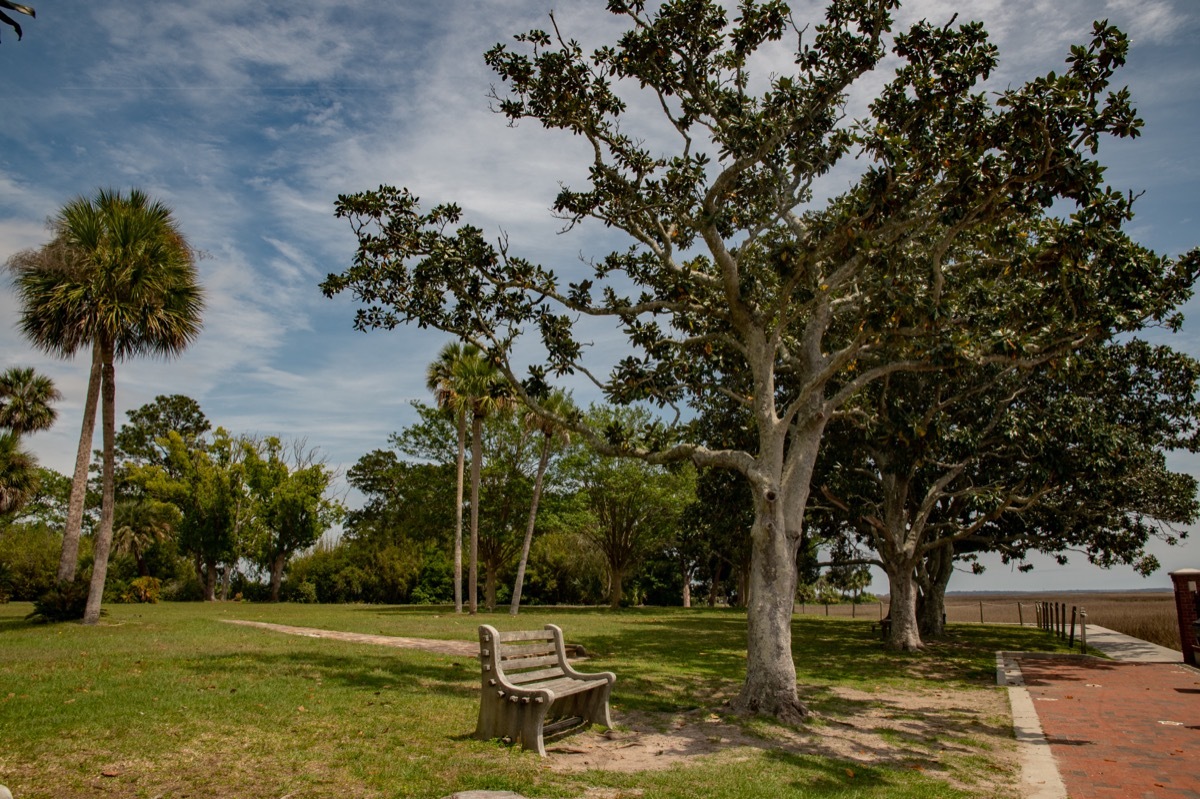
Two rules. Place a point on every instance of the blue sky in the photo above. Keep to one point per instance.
(250, 118)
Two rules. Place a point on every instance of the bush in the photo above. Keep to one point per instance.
(63, 602)
(304, 593)
(28, 560)
(187, 589)
(142, 590)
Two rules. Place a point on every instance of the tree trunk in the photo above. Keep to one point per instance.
(108, 391)
(770, 686)
(210, 579)
(616, 579)
(458, 514)
(277, 575)
(528, 542)
(476, 465)
(904, 635)
(715, 585)
(686, 573)
(69, 559)
(938, 568)
(491, 573)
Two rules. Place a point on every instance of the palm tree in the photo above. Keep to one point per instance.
(440, 379)
(25, 407)
(139, 524)
(119, 277)
(485, 393)
(25, 398)
(18, 474)
(464, 380)
(6, 5)
(560, 405)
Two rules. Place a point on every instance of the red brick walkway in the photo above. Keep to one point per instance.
(1119, 730)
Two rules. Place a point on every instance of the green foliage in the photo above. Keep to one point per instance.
(304, 593)
(28, 560)
(290, 506)
(143, 590)
(140, 440)
(62, 602)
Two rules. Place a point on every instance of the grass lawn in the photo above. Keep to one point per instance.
(164, 701)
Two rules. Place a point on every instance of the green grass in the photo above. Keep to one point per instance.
(164, 701)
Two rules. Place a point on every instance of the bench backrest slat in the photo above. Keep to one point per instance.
(527, 635)
(511, 664)
(534, 676)
(511, 652)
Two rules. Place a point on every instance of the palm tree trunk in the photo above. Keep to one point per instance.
(104, 535)
(528, 543)
(69, 559)
(476, 462)
(458, 514)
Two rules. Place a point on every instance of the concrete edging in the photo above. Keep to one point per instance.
(1039, 773)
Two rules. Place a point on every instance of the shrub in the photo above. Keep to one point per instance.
(28, 560)
(142, 590)
(63, 602)
(304, 593)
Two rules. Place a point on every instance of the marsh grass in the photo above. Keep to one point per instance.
(1148, 615)
(162, 700)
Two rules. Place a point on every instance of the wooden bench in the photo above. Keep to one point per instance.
(527, 681)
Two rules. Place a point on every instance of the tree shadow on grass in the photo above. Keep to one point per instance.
(369, 671)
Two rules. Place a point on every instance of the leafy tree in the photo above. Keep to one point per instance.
(139, 439)
(634, 507)
(48, 505)
(290, 502)
(206, 481)
(740, 284)
(8, 5)
(1065, 456)
(119, 277)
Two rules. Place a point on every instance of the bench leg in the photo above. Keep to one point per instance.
(530, 720)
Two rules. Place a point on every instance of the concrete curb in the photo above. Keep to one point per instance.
(1039, 773)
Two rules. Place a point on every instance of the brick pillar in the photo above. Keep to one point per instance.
(1187, 603)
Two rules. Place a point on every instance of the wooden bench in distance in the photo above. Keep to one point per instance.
(527, 681)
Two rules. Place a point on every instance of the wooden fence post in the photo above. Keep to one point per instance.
(1020, 615)
(1071, 637)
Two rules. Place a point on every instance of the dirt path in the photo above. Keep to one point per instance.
(457, 648)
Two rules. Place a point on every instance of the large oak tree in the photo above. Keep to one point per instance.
(739, 283)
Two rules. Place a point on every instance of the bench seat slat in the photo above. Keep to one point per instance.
(566, 686)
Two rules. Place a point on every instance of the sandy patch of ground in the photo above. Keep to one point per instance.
(933, 732)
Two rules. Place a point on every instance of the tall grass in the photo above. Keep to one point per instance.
(1148, 615)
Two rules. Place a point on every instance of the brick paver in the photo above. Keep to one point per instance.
(1119, 730)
